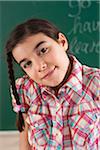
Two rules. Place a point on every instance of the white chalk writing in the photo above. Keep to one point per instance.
(86, 26)
(77, 46)
(83, 32)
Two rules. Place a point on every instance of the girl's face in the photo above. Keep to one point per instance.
(43, 59)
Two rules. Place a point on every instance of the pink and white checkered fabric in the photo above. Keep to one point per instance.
(70, 121)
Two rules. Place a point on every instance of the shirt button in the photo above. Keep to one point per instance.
(58, 133)
(36, 125)
(58, 136)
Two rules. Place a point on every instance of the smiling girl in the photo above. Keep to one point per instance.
(57, 100)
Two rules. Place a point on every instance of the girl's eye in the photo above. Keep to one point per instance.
(43, 50)
(28, 64)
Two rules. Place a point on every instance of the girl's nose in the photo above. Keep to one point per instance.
(43, 66)
(40, 65)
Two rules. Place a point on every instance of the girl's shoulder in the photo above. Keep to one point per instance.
(91, 81)
(91, 74)
(90, 71)
(26, 86)
(27, 91)
(24, 82)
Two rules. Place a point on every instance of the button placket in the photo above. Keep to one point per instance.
(57, 106)
(58, 127)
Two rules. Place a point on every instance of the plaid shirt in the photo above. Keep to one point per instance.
(68, 121)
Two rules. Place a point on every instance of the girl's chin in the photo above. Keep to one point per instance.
(53, 84)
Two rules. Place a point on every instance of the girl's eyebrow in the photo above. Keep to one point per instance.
(34, 48)
(39, 44)
(21, 61)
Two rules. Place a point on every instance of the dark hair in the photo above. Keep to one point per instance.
(18, 35)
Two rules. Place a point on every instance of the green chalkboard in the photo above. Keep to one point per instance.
(79, 20)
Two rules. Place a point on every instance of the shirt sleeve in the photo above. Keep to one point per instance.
(95, 89)
(93, 140)
(23, 98)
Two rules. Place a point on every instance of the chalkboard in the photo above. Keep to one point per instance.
(79, 20)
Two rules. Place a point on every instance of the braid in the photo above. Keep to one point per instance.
(20, 120)
(11, 77)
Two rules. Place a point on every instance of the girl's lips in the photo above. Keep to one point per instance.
(49, 73)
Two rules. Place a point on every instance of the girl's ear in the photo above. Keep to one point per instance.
(62, 40)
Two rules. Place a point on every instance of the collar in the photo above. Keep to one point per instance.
(74, 80)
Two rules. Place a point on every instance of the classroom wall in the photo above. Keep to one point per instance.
(79, 20)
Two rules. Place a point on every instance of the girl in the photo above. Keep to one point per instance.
(57, 100)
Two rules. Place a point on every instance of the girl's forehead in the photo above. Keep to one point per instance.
(37, 36)
(36, 40)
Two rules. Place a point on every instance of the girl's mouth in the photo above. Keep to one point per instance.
(49, 73)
